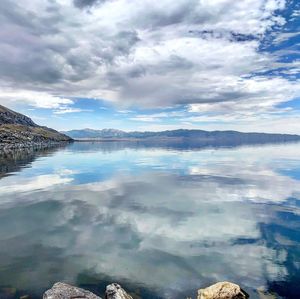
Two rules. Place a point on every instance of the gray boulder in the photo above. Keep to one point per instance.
(222, 290)
(115, 291)
(62, 290)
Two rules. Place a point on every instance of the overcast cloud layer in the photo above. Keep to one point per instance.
(217, 58)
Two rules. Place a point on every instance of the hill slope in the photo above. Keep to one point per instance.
(18, 130)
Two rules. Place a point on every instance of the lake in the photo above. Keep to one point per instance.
(161, 221)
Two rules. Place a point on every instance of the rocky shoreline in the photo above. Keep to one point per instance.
(5, 147)
(21, 137)
(220, 290)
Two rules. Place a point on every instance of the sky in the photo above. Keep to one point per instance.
(153, 65)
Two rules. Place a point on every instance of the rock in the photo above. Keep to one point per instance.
(65, 291)
(115, 291)
(222, 290)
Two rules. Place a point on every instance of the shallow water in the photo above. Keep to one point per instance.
(163, 222)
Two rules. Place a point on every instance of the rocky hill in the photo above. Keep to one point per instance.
(18, 131)
(8, 116)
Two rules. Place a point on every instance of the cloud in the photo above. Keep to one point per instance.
(144, 118)
(254, 98)
(64, 110)
(284, 36)
(147, 54)
(34, 98)
(86, 3)
(83, 3)
(296, 13)
(160, 116)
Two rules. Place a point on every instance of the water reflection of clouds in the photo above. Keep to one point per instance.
(173, 226)
(21, 184)
(163, 230)
(98, 164)
(242, 182)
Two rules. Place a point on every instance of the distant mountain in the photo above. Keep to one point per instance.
(18, 130)
(226, 137)
(90, 133)
(180, 133)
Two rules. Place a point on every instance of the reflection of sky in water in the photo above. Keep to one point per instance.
(163, 220)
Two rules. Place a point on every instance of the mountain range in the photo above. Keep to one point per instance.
(181, 134)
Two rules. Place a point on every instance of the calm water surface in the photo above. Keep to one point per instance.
(162, 222)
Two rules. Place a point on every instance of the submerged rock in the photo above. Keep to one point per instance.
(62, 290)
(263, 294)
(222, 290)
(115, 291)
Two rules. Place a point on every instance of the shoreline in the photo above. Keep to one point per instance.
(31, 144)
(219, 290)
